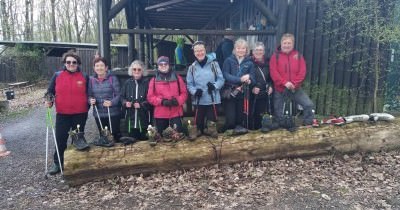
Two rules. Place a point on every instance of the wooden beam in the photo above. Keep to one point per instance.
(104, 37)
(116, 9)
(140, 158)
(192, 32)
(164, 4)
(260, 5)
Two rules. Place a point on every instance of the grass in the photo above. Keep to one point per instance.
(12, 115)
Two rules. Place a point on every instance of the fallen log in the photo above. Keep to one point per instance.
(140, 158)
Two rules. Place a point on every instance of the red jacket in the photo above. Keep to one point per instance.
(167, 89)
(290, 67)
(71, 93)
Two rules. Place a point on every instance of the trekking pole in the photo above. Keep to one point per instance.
(109, 118)
(246, 104)
(47, 142)
(213, 104)
(253, 111)
(98, 116)
(55, 140)
(197, 110)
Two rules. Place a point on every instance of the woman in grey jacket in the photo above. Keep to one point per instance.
(204, 80)
(104, 92)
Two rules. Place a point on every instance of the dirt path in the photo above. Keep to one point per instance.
(368, 181)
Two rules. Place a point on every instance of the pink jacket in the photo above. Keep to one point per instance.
(167, 89)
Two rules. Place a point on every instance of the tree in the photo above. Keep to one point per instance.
(374, 23)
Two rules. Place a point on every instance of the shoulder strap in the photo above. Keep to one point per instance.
(191, 70)
(178, 79)
(214, 69)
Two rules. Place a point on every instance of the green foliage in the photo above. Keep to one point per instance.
(373, 26)
(27, 62)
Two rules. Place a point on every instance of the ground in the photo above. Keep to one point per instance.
(356, 181)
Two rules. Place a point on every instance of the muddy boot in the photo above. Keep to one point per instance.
(193, 132)
(126, 140)
(153, 136)
(78, 140)
(55, 169)
(239, 130)
(103, 141)
(211, 129)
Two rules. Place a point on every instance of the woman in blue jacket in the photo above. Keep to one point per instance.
(239, 78)
(104, 92)
(204, 80)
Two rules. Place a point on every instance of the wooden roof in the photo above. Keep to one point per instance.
(185, 14)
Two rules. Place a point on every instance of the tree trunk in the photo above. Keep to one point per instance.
(140, 158)
(5, 24)
(53, 20)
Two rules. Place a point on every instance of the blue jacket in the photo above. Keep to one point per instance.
(232, 71)
(108, 89)
(198, 77)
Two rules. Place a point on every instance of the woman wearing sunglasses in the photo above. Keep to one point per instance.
(134, 101)
(104, 93)
(69, 89)
(167, 93)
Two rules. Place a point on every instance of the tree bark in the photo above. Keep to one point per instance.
(5, 25)
(140, 158)
(53, 20)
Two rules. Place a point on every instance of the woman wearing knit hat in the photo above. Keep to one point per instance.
(167, 93)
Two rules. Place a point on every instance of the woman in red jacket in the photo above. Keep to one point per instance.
(167, 93)
(69, 88)
(288, 71)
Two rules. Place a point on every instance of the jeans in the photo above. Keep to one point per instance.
(299, 97)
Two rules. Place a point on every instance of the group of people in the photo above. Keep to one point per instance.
(245, 85)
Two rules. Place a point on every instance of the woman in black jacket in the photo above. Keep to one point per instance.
(262, 90)
(133, 98)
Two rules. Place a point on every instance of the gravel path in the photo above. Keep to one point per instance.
(359, 181)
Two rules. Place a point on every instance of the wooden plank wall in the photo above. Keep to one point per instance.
(333, 81)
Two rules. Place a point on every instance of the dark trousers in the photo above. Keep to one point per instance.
(162, 124)
(298, 96)
(259, 106)
(233, 109)
(114, 125)
(203, 111)
(65, 123)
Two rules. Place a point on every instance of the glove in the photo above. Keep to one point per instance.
(174, 102)
(210, 86)
(198, 93)
(166, 102)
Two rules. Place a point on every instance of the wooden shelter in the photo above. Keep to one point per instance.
(336, 83)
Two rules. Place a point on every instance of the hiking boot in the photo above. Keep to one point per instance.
(211, 129)
(193, 133)
(78, 140)
(103, 141)
(239, 130)
(126, 140)
(55, 169)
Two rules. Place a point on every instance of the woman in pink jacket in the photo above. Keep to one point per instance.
(167, 93)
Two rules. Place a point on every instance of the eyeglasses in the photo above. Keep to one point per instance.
(163, 64)
(136, 69)
(71, 62)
